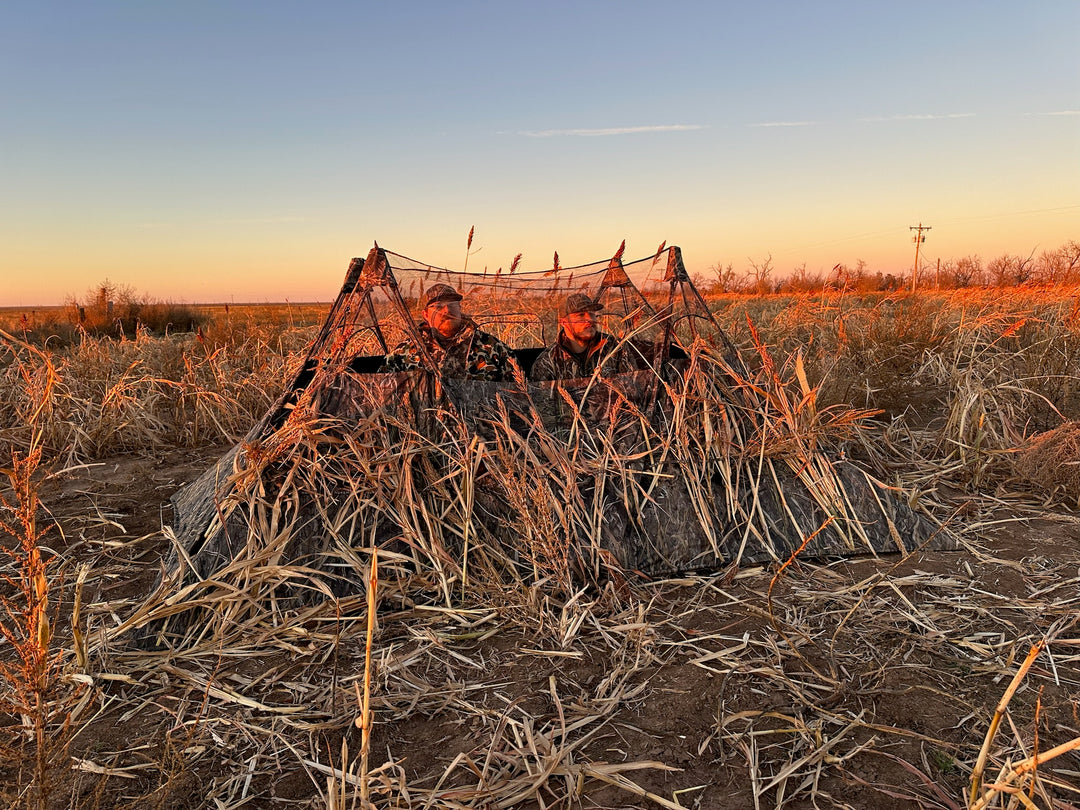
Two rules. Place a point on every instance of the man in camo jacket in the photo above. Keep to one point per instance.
(453, 340)
(581, 346)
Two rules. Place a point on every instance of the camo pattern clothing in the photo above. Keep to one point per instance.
(559, 363)
(471, 354)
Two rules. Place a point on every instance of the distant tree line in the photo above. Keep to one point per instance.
(116, 309)
(1050, 267)
(106, 310)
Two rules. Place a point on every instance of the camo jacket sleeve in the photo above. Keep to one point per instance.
(404, 357)
(489, 358)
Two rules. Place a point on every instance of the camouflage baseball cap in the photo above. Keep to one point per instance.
(579, 302)
(438, 292)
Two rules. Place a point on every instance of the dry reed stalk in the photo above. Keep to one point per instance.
(77, 638)
(980, 762)
(772, 615)
(364, 721)
(1012, 772)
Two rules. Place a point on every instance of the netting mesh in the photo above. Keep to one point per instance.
(382, 301)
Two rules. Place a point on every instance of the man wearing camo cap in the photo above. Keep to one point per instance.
(581, 347)
(453, 340)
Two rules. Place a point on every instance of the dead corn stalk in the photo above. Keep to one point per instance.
(363, 722)
(999, 712)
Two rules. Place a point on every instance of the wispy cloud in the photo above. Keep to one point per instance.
(595, 133)
(257, 220)
(234, 221)
(925, 117)
(1062, 112)
(784, 124)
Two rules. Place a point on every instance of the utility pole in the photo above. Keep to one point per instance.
(918, 239)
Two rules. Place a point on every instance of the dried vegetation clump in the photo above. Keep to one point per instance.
(884, 681)
(1049, 463)
(963, 378)
(108, 396)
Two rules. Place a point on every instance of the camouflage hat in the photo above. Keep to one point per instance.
(438, 292)
(579, 302)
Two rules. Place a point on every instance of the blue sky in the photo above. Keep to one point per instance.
(246, 150)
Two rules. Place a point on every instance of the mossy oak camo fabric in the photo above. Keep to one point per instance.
(471, 354)
(559, 363)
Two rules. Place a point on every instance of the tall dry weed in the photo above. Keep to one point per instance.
(35, 692)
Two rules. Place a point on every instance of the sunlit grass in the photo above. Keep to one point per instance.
(966, 382)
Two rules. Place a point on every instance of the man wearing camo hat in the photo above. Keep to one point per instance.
(453, 340)
(581, 347)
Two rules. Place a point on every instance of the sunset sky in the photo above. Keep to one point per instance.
(244, 151)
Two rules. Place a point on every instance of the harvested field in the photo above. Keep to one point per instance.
(866, 682)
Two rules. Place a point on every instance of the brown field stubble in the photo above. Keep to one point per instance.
(669, 695)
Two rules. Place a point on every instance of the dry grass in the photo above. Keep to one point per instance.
(546, 691)
(964, 377)
(1050, 463)
(497, 680)
(110, 397)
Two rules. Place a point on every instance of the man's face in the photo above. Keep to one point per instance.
(444, 317)
(581, 326)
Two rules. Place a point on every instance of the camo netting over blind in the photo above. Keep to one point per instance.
(518, 307)
(503, 293)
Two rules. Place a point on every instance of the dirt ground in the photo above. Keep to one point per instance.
(859, 683)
